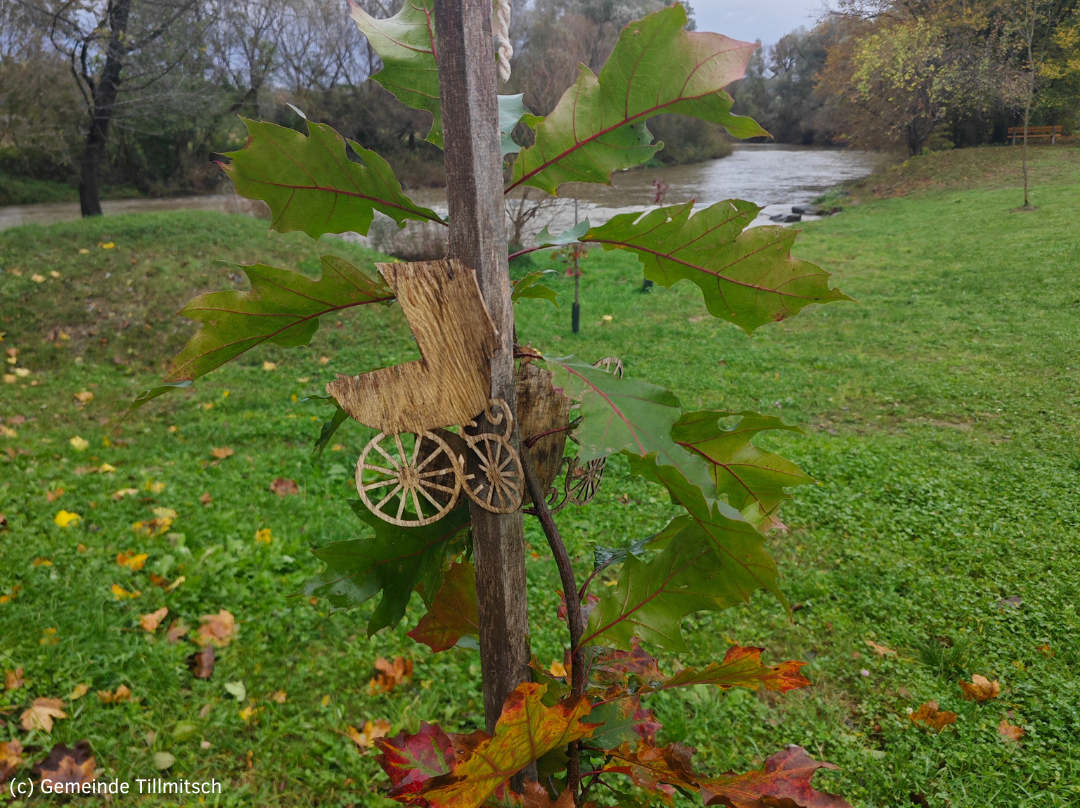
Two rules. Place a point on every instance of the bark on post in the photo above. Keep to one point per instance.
(466, 57)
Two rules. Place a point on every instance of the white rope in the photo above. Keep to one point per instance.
(502, 37)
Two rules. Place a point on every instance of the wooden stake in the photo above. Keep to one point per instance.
(465, 54)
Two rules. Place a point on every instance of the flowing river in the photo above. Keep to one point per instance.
(775, 176)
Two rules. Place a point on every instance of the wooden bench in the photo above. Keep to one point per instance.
(1052, 132)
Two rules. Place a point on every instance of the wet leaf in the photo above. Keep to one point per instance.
(452, 614)
(121, 695)
(783, 780)
(930, 716)
(526, 730)
(67, 766)
(201, 663)
(284, 487)
(217, 629)
(390, 675)
(980, 688)
(1010, 732)
(365, 738)
(150, 622)
(13, 680)
(411, 760)
(41, 714)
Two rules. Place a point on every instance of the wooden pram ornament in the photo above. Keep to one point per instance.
(450, 385)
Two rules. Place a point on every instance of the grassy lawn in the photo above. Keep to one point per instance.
(941, 412)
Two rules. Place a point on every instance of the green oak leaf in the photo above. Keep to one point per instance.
(512, 110)
(329, 427)
(743, 472)
(748, 277)
(626, 415)
(738, 545)
(406, 45)
(568, 236)
(530, 287)
(310, 183)
(395, 561)
(283, 307)
(656, 67)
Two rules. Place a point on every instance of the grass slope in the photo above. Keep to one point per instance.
(941, 413)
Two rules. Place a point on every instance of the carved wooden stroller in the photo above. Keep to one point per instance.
(449, 386)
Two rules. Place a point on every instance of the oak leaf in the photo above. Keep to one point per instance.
(783, 780)
(980, 688)
(284, 487)
(217, 629)
(150, 622)
(452, 614)
(390, 675)
(13, 680)
(1010, 732)
(411, 760)
(526, 730)
(931, 716)
(741, 668)
(122, 694)
(10, 758)
(65, 766)
(536, 796)
(365, 738)
(41, 713)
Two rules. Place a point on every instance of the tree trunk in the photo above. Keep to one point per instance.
(104, 98)
(466, 59)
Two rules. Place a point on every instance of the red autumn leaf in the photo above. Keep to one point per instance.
(653, 768)
(741, 668)
(536, 796)
(783, 780)
(411, 760)
(525, 731)
(10, 758)
(452, 614)
(201, 663)
(65, 766)
(284, 487)
(610, 667)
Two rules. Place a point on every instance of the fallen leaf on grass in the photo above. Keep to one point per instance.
(880, 650)
(206, 499)
(63, 766)
(124, 492)
(222, 453)
(84, 397)
(279, 697)
(10, 758)
(269, 366)
(54, 495)
(119, 593)
(237, 690)
(284, 487)
(13, 680)
(78, 692)
(391, 674)
(41, 714)
(79, 444)
(931, 716)
(176, 632)
(1044, 649)
(163, 760)
(131, 560)
(217, 629)
(980, 688)
(365, 738)
(201, 663)
(1010, 732)
(264, 535)
(122, 694)
(41, 562)
(150, 622)
(66, 518)
(3, 522)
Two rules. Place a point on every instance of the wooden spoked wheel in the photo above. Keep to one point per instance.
(612, 364)
(501, 482)
(408, 489)
(583, 481)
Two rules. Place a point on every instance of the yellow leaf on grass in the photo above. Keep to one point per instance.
(222, 453)
(980, 688)
(42, 562)
(66, 518)
(37, 278)
(881, 650)
(79, 444)
(124, 492)
(121, 594)
(264, 535)
(78, 692)
(131, 560)
(122, 694)
(268, 366)
(84, 251)
(280, 697)
(150, 622)
(7, 431)
(105, 468)
(108, 245)
(365, 738)
(42, 713)
(22, 373)
(84, 397)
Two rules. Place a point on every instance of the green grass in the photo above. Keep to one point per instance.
(941, 413)
(15, 190)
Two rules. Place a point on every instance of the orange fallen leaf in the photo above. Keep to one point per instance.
(10, 758)
(264, 535)
(122, 694)
(1010, 732)
(150, 622)
(84, 397)
(1046, 650)
(365, 738)
(201, 663)
(222, 453)
(13, 680)
(280, 697)
(217, 629)
(66, 766)
(931, 716)
(177, 630)
(980, 688)
(131, 560)
(124, 492)
(284, 487)
(206, 499)
(42, 562)
(54, 495)
(41, 713)
(391, 674)
(880, 650)
(78, 692)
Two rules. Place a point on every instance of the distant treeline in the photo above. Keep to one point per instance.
(916, 73)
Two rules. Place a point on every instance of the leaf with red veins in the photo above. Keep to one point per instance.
(526, 730)
(783, 780)
(411, 760)
(622, 720)
(624, 670)
(741, 668)
(536, 796)
(452, 614)
(656, 769)
(590, 601)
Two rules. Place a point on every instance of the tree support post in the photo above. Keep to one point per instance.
(466, 58)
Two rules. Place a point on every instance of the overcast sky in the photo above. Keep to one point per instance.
(749, 20)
